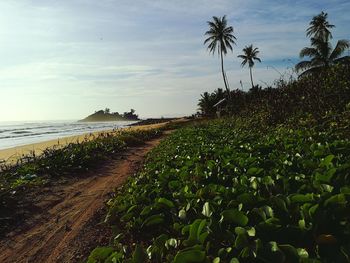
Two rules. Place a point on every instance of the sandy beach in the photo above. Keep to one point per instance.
(11, 155)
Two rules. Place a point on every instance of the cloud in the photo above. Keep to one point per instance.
(76, 56)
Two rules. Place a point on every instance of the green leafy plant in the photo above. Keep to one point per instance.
(228, 191)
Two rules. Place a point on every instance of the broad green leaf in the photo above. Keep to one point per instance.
(132, 208)
(234, 216)
(301, 198)
(274, 246)
(154, 220)
(254, 171)
(100, 254)
(302, 253)
(328, 160)
(280, 203)
(247, 198)
(251, 231)
(139, 255)
(268, 211)
(290, 251)
(245, 253)
(313, 209)
(166, 202)
(182, 214)
(195, 233)
(240, 230)
(146, 210)
(206, 211)
(345, 190)
(336, 199)
(241, 241)
(172, 242)
(189, 256)
(325, 177)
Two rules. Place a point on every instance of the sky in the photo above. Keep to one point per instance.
(65, 59)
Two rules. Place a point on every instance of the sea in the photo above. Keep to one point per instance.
(13, 134)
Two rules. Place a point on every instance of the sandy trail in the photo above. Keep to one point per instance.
(56, 234)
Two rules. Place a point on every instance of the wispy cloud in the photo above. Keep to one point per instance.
(73, 57)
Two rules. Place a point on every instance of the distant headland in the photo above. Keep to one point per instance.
(107, 115)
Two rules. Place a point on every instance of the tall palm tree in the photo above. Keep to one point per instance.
(321, 53)
(220, 38)
(249, 55)
(320, 27)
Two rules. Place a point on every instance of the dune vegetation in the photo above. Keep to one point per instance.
(268, 182)
(257, 176)
(33, 171)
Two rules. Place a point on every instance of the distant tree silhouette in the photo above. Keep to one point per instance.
(321, 53)
(220, 38)
(131, 115)
(319, 27)
(248, 56)
(208, 100)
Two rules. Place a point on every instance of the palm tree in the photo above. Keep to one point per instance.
(320, 27)
(206, 104)
(321, 53)
(250, 54)
(220, 38)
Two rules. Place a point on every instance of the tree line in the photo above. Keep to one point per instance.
(323, 61)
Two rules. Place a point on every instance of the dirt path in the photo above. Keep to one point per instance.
(71, 211)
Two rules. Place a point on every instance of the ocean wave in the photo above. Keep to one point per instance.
(27, 133)
(21, 132)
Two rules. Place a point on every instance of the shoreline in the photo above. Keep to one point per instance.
(11, 155)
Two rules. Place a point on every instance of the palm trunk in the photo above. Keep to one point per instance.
(251, 76)
(223, 74)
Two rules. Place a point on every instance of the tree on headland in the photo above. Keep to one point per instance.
(220, 38)
(130, 115)
(321, 53)
(249, 55)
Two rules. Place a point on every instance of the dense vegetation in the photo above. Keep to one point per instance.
(227, 191)
(314, 88)
(270, 183)
(316, 95)
(36, 170)
(106, 115)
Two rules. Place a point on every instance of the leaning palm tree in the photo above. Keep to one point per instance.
(320, 27)
(322, 56)
(250, 54)
(321, 53)
(220, 38)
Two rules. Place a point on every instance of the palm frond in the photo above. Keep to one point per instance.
(306, 64)
(339, 49)
(220, 33)
(320, 27)
(343, 60)
(258, 59)
(249, 55)
(308, 52)
(311, 71)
